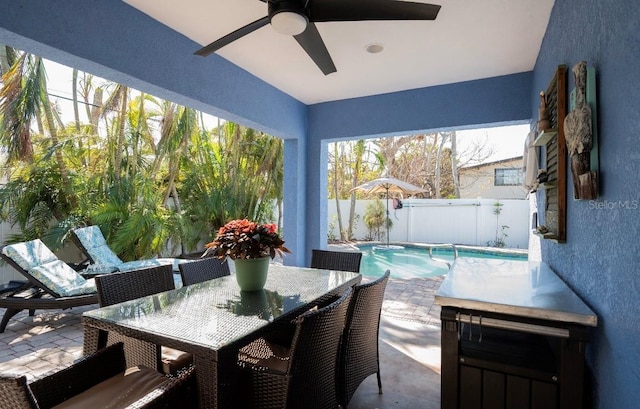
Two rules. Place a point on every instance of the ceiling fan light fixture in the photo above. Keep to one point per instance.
(289, 22)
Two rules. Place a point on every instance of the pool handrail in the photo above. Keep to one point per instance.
(439, 260)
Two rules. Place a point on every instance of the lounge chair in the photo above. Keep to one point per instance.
(336, 260)
(204, 269)
(302, 373)
(359, 356)
(99, 381)
(124, 286)
(51, 283)
(93, 244)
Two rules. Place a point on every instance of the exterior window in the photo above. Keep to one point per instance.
(508, 177)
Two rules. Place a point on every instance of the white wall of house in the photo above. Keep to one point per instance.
(479, 181)
(460, 221)
(7, 273)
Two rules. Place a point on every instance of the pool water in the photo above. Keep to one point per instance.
(413, 262)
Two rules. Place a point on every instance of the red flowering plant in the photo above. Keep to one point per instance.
(244, 239)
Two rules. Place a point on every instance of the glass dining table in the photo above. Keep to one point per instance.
(212, 320)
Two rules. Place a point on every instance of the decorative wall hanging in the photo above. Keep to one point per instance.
(551, 179)
(581, 133)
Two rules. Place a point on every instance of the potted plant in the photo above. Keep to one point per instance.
(250, 245)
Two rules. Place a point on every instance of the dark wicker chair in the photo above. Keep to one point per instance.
(302, 374)
(359, 355)
(94, 370)
(204, 269)
(124, 286)
(35, 294)
(336, 260)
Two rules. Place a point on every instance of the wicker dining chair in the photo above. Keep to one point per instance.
(302, 374)
(359, 356)
(336, 260)
(115, 288)
(204, 269)
(100, 380)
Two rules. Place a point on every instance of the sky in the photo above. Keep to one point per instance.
(506, 142)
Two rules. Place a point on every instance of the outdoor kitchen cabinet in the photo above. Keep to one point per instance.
(513, 336)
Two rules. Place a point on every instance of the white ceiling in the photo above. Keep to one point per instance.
(470, 39)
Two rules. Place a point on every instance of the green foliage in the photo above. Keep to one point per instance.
(235, 174)
(331, 236)
(501, 234)
(374, 218)
(33, 199)
(148, 174)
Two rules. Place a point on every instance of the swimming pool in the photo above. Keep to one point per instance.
(414, 261)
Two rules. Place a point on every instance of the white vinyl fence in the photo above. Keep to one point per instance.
(459, 221)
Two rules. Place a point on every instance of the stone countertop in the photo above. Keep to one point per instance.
(515, 287)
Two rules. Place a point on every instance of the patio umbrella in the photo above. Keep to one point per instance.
(386, 185)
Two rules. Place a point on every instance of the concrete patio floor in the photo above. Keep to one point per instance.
(409, 346)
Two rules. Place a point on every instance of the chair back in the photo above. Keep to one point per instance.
(115, 288)
(336, 260)
(14, 393)
(314, 356)
(93, 244)
(204, 269)
(359, 353)
(119, 287)
(98, 370)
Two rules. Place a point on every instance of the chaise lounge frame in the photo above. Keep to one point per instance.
(33, 295)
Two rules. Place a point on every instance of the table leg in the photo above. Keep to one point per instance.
(93, 340)
(207, 376)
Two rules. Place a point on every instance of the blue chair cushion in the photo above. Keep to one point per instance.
(29, 254)
(101, 254)
(61, 279)
(104, 256)
(136, 264)
(90, 237)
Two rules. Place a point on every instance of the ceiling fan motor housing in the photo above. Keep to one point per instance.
(288, 17)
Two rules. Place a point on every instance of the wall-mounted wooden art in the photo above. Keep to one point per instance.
(581, 133)
(551, 177)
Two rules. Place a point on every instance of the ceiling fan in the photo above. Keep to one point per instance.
(297, 18)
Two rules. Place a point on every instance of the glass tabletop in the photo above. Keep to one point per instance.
(216, 313)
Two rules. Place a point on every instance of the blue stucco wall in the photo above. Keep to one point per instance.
(601, 258)
(466, 104)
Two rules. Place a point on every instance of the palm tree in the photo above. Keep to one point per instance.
(23, 98)
(130, 171)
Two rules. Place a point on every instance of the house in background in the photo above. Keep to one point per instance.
(501, 179)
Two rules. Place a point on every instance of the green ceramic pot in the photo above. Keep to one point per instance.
(251, 274)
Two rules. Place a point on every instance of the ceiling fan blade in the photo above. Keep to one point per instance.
(357, 10)
(312, 43)
(231, 37)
